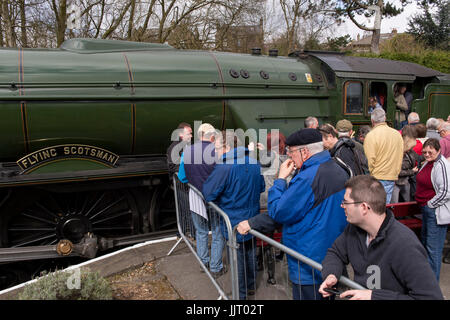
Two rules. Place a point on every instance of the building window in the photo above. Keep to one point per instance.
(353, 97)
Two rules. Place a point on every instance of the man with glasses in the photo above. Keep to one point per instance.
(308, 208)
(386, 256)
(444, 132)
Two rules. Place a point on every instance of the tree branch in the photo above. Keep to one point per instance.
(350, 15)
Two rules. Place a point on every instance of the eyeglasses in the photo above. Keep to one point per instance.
(288, 151)
(343, 203)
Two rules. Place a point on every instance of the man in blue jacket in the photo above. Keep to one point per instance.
(309, 208)
(235, 186)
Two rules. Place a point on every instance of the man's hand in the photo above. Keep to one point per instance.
(329, 282)
(286, 169)
(243, 227)
(357, 294)
(251, 146)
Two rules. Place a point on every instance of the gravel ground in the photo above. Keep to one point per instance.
(142, 283)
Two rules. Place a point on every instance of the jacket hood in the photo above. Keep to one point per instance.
(345, 142)
(342, 142)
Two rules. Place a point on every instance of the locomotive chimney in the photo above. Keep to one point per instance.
(256, 51)
(273, 52)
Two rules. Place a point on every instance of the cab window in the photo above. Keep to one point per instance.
(378, 90)
(353, 97)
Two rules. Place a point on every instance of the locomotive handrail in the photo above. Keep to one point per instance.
(129, 97)
(157, 84)
(262, 117)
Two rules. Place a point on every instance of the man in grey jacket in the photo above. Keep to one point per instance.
(386, 256)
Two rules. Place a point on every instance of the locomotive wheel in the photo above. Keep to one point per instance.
(57, 216)
(162, 209)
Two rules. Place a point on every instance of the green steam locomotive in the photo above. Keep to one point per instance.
(86, 126)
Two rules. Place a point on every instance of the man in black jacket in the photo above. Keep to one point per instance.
(180, 138)
(386, 256)
(343, 148)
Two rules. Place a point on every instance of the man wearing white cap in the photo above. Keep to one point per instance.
(196, 165)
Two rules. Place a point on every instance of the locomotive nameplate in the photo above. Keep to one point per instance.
(67, 151)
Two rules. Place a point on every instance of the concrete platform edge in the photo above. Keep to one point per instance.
(106, 265)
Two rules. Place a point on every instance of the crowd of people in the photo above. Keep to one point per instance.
(328, 195)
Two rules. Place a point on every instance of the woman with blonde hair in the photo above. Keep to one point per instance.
(409, 168)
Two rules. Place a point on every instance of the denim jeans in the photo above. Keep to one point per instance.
(217, 243)
(403, 190)
(433, 238)
(246, 258)
(388, 186)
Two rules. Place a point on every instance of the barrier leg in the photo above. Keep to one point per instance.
(176, 244)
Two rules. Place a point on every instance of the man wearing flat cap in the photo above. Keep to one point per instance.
(339, 143)
(309, 207)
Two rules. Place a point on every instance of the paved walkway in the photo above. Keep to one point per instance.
(183, 272)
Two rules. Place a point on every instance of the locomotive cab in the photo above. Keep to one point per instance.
(355, 79)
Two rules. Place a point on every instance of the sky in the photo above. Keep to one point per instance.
(399, 22)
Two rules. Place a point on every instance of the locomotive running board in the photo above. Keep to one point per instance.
(126, 168)
(30, 253)
(83, 249)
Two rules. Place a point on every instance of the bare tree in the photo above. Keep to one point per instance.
(305, 20)
(23, 24)
(200, 24)
(8, 24)
(60, 10)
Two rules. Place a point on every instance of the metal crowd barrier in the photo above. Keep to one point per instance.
(270, 274)
(225, 284)
(273, 277)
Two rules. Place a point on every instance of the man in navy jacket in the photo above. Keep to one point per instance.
(235, 186)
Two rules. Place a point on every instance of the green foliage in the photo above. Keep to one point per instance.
(432, 28)
(335, 44)
(312, 44)
(404, 47)
(347, 9)
(62, 285)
